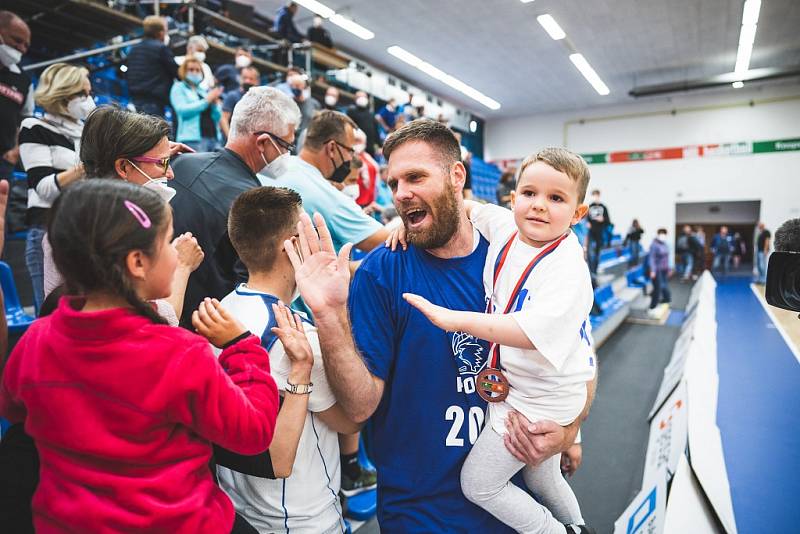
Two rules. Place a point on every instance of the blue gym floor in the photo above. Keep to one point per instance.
(758, 411)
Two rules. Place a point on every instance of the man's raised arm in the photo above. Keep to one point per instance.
(323, 281)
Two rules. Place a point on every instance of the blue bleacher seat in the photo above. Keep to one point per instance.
(485, 177)
(606, 301)
(636, 277)
(17, 319)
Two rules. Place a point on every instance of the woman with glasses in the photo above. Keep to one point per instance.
(198, 110)
(47, 149)
(118, 144)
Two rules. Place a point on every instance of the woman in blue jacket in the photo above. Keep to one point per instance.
(198, 110)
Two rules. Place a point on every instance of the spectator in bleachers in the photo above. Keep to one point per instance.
(262, 130)
(16, 96)
(387, 118)
(198, 111)
(227, 75)
(658, 261)
(763, 243)
(151, 68)
(409, 109)
(284, 24)
(598, 223)
(301, 92)
(326, 156)
(368, 173)
(721, 248)
(48, 149)
(284, 85)
(687, 248)
(365, 120)
(505, 186)
(304, 452)
(248, 77)
(332, 99)
(633, 239)
(196, 47)
(318, 34)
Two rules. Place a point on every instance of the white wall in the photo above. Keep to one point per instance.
(649, 190)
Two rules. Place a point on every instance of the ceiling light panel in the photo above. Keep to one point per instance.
(551, 27)
(589, 73)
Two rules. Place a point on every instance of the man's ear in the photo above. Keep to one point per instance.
(458, 175)
(580, 213)
(136, 262)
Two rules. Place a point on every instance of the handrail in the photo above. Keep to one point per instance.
(237, 25)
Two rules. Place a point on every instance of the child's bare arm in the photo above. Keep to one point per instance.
(494, 327)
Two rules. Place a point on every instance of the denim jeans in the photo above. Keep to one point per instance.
(34, 259)
(688, 264)
(661, 291)
(595, 246)
(724, 259)
(636, 250)
(761, 264)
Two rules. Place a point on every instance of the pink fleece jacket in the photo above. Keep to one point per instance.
(123, 412)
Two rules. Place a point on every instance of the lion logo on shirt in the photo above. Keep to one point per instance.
(468, 352)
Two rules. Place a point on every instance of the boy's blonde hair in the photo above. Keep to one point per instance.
(562, 160)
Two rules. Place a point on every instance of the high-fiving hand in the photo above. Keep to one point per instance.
(322, 277)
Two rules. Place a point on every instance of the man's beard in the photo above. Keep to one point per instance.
(445, 217)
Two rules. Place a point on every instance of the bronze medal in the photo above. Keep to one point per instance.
(492, 385)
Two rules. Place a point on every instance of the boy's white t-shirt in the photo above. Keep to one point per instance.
(307, 501)
(552, 308)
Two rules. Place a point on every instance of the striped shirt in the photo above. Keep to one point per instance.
(47, 146)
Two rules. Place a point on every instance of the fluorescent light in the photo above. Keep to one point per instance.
(750, 12)
(747, 35)
(551, 27)
(317, 7)
(437, 73)
(473, 126)
(356, 29)
(588, 72)
(526, 1)
(737, 85)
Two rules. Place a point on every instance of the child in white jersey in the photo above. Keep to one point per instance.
(305, 450)
(539, 294)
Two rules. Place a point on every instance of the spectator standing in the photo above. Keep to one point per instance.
(16, 96)
(48, 150)
(308, 105)
(151, 68)
(198, 110)
(368, 173)
(721, 248)
(387, 118)
(658, 261)
(598, 222)
(505, 186)
(332, 99)
(739, 249)
(763, 243)
(262, 130)
(284, 24)
(196, 47)
(248, 77)
(686, 250)
(365, 120)
(318, 34)
(633, 239)
(227, 75)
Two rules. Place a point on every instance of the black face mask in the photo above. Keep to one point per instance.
(246, 87)
(340, 172)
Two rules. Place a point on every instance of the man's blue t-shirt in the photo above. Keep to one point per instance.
(430, 415)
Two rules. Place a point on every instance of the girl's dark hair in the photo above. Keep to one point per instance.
(92, 229)
(110, 133)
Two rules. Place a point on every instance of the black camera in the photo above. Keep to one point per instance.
(783, 280)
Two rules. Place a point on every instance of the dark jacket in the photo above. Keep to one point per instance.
(151, 71)
(284, 26)
(320, 36)
(366, 122)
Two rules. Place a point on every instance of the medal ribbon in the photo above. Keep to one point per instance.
(498, 266)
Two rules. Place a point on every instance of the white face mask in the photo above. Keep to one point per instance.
(331, 100)
(9, 55)
(80, 107)
(274, 168)
(200, 56)
(306, 93)
(156, 185)
(242, 62)
(362, 101)
(351, 191)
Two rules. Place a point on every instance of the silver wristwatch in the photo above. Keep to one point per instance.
(299, 389)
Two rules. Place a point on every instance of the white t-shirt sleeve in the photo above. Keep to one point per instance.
(561, 300)
(492, 221)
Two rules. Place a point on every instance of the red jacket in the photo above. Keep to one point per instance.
(123, 412)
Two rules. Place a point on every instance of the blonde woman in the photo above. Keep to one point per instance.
(48, 149)
(198, 110)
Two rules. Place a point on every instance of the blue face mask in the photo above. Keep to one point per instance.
(194, 78)
(297, 92)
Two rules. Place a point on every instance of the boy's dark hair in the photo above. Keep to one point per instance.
(110, 133)
(661, 231)
(326, 125)
(258, 223)
(428, 131)
(92, 229)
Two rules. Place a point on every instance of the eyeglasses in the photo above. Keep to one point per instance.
(348, 148)
(281, 143)
(163, 162)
